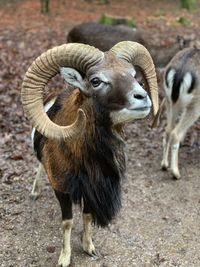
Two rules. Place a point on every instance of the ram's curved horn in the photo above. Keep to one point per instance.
(46, 66)
(137, 54)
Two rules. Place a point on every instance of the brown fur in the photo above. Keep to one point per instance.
(53, 153)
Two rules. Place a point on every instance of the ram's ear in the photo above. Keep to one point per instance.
(73, 77)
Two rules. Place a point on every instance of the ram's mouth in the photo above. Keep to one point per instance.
(141, 108)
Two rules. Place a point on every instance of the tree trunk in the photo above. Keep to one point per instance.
(45, 6)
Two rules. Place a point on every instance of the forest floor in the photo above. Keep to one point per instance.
(159, 223)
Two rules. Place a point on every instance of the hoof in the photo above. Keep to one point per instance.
(89, 248)
(92, 253)
(64, 259)
(176, 175)
(164, 166)
(34, 196)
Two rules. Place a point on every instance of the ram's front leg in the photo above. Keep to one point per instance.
(37, 184)
(67, 222)
(87, 243)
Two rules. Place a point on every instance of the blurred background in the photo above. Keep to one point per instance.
(159, 222)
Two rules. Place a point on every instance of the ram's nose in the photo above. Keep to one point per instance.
(142, 95)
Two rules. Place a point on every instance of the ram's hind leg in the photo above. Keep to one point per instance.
(171, 117)
(37, 184)
(186, 121)
(87, 243)
(67, 222)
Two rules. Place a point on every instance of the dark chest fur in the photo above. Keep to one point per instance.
(95, 171)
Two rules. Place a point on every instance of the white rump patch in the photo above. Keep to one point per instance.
(186, 83)
(186, 97)
(169, 78)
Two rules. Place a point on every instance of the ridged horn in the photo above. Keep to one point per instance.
(137, 54)
(78, 56)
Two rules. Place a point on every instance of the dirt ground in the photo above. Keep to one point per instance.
(159, 223)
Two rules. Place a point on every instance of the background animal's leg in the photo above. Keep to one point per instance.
(186, 121)
(171, 118)
(67, 222)
(37, 184)
(87, 243)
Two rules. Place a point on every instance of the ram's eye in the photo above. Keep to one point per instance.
(95, 82)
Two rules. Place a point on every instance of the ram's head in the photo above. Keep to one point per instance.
(108, 76)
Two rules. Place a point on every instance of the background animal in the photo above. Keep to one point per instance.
(105, 36)
(79, 142)
(182, 97)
